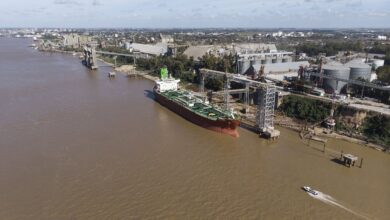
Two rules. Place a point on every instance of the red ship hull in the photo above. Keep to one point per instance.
(227, 126)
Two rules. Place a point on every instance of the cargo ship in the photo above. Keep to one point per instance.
(194, 108)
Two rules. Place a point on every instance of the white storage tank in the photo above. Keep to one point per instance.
(360, 70)
(338, 71)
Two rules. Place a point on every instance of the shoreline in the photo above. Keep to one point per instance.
(294, 127)
(317, 131)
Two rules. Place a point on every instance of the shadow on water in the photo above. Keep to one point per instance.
(337, 160)
(149, 94)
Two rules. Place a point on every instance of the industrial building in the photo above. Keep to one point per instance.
(376, 63)
(219, 50)
(167, 39)
(148, 49)
(354, 70)
(75, 40)
(245, 61)
(276, 68)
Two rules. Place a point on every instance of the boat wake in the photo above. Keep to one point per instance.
(332, 201)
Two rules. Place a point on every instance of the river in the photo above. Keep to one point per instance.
(75, 144)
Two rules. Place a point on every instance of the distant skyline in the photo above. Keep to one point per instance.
(196, 14)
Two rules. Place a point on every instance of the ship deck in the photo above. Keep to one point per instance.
(196, 105)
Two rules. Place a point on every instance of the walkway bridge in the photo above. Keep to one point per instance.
(90, 52)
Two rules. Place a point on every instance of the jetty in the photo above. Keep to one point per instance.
(349, 159)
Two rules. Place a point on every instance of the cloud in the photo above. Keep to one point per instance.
(96, 3)
(162, 5)
(189, 13)
(378, 14)
(354, 4)
(65, 2)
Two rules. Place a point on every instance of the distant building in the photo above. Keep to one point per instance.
(220, 50)
(127, 45)
(276, 68)
(382, 37)
(149, 49)
(167, 39)
(75, 40)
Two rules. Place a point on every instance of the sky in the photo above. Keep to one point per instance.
(195, 13)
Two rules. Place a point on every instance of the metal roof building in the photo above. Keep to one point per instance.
(277, 67)
(220, 50)
(151, 49)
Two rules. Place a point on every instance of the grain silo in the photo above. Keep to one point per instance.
(336, 70)
(359, 70)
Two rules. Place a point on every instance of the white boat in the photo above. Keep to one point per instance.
(309, 190)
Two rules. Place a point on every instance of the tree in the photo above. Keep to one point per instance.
(384, 73)
(377, 128)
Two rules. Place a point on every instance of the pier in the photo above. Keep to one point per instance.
(266, 97)
(349, 159)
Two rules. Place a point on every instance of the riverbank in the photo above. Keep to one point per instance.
(280, 119)
(297, 125)
(302, 113)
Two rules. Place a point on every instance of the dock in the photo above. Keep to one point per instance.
(111, 74)
(271, 134)
(349, 159)
(268, 133)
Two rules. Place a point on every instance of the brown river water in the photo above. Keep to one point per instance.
(75, 144)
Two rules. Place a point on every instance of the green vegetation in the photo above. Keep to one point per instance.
(72, 49)
(213, 83)
(225, 63)
(331, 48)
(183, 67)
(384, 73)
(380, 49)
(179, 67)
(305, 109)
(377, 129)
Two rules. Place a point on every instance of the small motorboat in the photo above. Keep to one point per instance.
(306, 188)
(309, 190)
